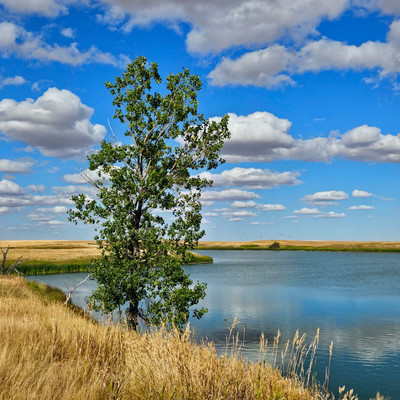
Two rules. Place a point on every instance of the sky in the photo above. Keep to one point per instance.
(311, 87)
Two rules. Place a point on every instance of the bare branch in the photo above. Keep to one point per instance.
(17, 262)
(70, 291)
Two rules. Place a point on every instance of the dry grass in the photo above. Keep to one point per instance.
(76, 250)
(301, 244)
(50, 352)
(51, 250)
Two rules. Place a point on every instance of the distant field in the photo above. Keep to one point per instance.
(310, 245)
(52, 250)
(58, 256)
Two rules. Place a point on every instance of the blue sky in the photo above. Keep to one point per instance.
(311, 87)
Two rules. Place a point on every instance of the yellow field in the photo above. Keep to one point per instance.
(51, 250)
(69, 250)
(314, 244)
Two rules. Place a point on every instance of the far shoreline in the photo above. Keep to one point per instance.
(303, 245)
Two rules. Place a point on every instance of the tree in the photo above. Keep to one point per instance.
(10, 269)
(148, 209)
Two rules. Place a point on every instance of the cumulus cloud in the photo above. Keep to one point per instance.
(36, 188)
(324, 198)
(10, 188)
(244, 204)
(307, 211)
(217, 25)
(258, 206)
(227, 195)
(85, 176)
(12, 81)
(263, 137)
(21, 166)
(68, 32)
(15, 40)
(361, 207)
(71, 190)
(330, 214)
(252, 178)
(48, 8)
(360, 193)
(275, 65)
(239, 214)
(271, 207)
(210, 214)
(57, 124)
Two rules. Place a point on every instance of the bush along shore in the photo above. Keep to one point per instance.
(44, 267)
(52, 352)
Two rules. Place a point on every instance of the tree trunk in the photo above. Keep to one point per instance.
(133, 315)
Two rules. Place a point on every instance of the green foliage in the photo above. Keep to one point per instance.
(47, 293)
(274, 246)
(142, 250)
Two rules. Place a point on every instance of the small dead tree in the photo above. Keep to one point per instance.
(70, 291)
(8, 270)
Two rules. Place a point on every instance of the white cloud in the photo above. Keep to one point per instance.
(361, 207)
(53, 210)
(217, 25)
(258, 206)
(330, 214)
(14, 81)
(48, 8)
(271, 207)
(263, 137)
(252, 178)
(244, 204)
(21, 166)
(85, 176)
(227, 195)
(57, 124)
(70, 190)
(360, 193)
(324, 198)
(276, 64)
(210, 214)
(10, 188)
(36, 188)
(307, 211)
(68, 32)
(15, 40)
(239, 214)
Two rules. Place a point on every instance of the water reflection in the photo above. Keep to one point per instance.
(354, 298)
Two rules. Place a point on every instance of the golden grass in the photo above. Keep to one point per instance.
(314, 244)
(51, 250)
(83, 251)
(50, 352)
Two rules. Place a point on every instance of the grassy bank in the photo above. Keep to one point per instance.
(310, 245)
(49, 352)
(54, 257)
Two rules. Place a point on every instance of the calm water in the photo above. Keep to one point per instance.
(354, 298)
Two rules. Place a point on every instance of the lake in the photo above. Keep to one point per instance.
(354, 298)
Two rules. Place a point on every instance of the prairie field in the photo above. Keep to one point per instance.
(75, 250)
(58, 256)
(49, 351)
(311, 245)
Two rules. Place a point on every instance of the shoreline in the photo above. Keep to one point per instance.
(303, 245)
(63, 256)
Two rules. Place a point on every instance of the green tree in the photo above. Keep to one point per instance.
(148, 209)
